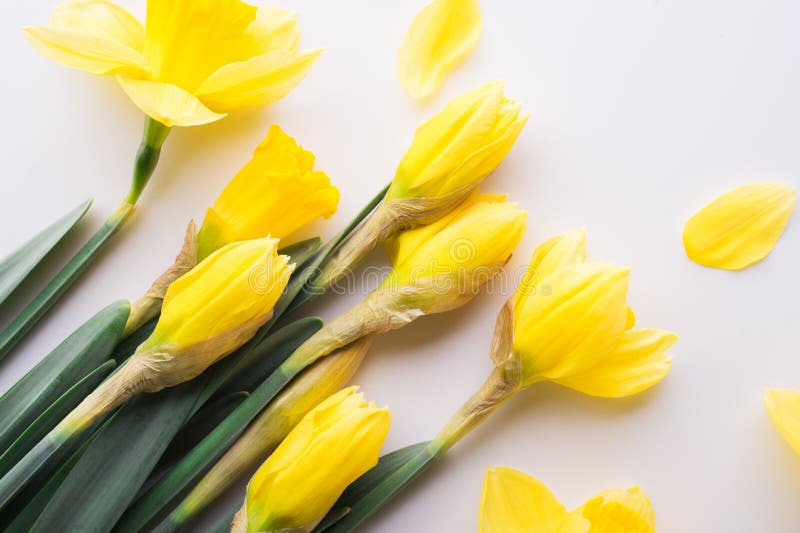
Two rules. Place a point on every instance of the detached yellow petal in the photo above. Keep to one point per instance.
(783, 407)
(740, 227)
(618, 511)
(637, 363)
(166, 103)
(440, 37)
(258, 81)
(97, 36)
(514, 502)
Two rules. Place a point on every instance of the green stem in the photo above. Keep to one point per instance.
(155, 133)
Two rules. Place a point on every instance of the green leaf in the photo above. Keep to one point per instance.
(302, 251)
(268, 355)
(375, 488)
(128, 345)
(70, 361)
(16, 267)
(200, 425)
(53, 415)
(43, 301)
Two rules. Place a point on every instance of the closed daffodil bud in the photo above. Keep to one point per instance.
(276, 192)
(455, 150)
(514, 502)
(207, 313)
(331, 447)
(436, 268)
(449, 158)
(191, 63)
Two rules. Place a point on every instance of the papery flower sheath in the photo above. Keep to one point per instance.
(440, 37)
(191, 63)
(333, 445)
(514, 502)
(783, 407)
(740, 227)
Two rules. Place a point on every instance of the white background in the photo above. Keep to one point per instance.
(642, 111)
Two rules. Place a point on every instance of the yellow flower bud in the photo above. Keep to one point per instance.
(571, 325)
(459, 252)
(276, 192)
(331, 447)
(514, 502)
(232, 290)
(459, 147)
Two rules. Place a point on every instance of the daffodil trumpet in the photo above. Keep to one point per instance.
(207, 314)
(436, 268)
(569, 323)
(191, 63)
(263, 435)
(449, 157)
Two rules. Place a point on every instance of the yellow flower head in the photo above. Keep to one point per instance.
(440, 37)
(227, 295)
(740, 227)
(572, 325)
(514, 502)
(331, 447)
(462, 250)
(783, 407)
(455, 150)
(191, 63)
(276, 192)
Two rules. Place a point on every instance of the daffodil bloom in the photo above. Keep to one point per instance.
(569, 322)
(277, 191)
(331, 447)
(436, 268)
(740, 227)
(290, 194)
(783, 407)
(440, 37)
(514, 502)
(306, 391)
(207, 313)
(190, 63)
(449, 158)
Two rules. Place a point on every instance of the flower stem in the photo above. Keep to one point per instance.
(155, 133)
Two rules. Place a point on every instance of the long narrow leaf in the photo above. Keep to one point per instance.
(379, 485)
(36, 309)
(53, 415)
(83, 351)
(16, 267)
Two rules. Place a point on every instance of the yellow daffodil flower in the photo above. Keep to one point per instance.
(571, 325)
(207, 313)
(514, 502)
(191, 63)
(440, 37)
(783, 407)
(331, 447)
(740, 227)
(276, 192)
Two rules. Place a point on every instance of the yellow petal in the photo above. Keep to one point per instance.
(618, 511)
(187, 40)
(257, 81)
(166, 103)
(576, 314)
(740, 227)
(514, 502)
(331, 447)
(235, 285)
(274, 28)
(440, 37)
(290, 195)
(97, 36)
(637, 363)
(783, 407)
(564, 250)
